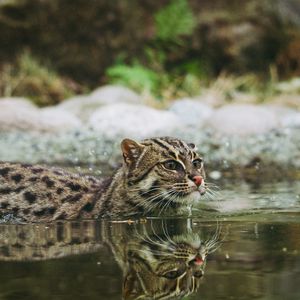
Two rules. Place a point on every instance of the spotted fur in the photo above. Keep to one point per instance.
(157, 174)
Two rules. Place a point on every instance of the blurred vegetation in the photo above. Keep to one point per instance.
(156, 75)
(152, 73)
(28, 78)
(168, 48)
(174, 20)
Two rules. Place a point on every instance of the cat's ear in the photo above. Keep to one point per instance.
(131, 150)
(192, 146)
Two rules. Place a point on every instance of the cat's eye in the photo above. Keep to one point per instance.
(172, 165)
(173, 274)
(197, 163)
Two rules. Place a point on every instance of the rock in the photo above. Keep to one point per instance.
(288, 117)
(243, 120)
(83, 106)
(191, 112)
(22, 138)
(13, 102)
(112, 94)
(17, 114)
(291, 120)
(135, 121)
(56, 120)
(80, 106)
(21, 115)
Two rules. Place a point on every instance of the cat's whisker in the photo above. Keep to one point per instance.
(212, 194)
(163, 204)
(150, 201)
(160, 242)
(171, 195)
(211, 185)
(212, 245)
(215, 242)
(162, 196)
(208, 196)
(165, 230)
(143, 192)
(217, 189)
(149, 240)
(154, 251)
(213, 191)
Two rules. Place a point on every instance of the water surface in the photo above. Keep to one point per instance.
(249, 249)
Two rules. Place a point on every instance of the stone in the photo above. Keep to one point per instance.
(288, 117)
(101, 152)
(83, 106)
(13, 102)
(112, 94)
(133, 121)
(19, 114)
(56, 120)
(243, 120)
(191, 112)
(80, 106)
(291, 120)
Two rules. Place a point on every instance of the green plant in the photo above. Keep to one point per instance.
(157, 75)
(174, 20)
(136, 76)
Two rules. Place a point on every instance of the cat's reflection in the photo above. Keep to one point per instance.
(35, 242)
(159, 259)
(158, 263)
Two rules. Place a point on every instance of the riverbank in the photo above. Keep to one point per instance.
(87, 130)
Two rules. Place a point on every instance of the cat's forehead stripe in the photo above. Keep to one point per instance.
(178, 149)
(163, 144)
(171, 147)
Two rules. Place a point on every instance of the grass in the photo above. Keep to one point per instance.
(29, 78)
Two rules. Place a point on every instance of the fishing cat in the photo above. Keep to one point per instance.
(157, 174)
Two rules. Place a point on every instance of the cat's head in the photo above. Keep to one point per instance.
(163, 172)
(164, 269)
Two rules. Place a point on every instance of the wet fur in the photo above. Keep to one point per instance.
(141, 186)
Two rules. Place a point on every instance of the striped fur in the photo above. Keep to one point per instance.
(145, 184)
(158, 264)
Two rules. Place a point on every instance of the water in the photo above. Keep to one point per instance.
(249, 249)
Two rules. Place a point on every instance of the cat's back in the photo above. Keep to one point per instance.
(43, 193)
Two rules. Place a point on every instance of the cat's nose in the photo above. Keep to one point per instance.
(197, 180)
